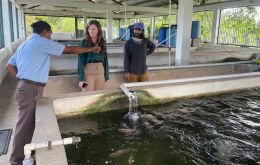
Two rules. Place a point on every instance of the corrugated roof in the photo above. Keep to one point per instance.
(98, 8)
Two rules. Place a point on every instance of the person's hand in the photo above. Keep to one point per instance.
(83, 84)
(127, 75)
(96, 49)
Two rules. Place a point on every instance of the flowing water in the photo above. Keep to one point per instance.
(133, 113)
(223, 129)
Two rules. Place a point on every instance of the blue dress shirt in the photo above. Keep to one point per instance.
(32, 58)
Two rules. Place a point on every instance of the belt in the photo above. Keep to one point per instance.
(33, 82)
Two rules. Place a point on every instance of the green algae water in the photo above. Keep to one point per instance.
(223, 129)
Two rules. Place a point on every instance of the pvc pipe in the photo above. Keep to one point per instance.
(128, 93)
(170, 7)
(28, 148)
(131, 96)
(125, 86)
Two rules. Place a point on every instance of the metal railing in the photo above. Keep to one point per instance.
(240, 26)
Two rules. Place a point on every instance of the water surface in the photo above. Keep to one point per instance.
(223, 129)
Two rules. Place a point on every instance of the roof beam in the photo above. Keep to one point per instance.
(226, 5)
(99, 1)
(155, 3)
(134, 2)
(71, 13)
(142, 2)
(80, 5)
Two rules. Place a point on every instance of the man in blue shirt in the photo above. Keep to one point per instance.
(30, 64)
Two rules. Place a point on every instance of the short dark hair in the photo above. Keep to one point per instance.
(40, 26)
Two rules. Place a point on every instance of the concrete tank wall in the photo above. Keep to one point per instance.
(77, 103)
(5, 55)
(69, 83)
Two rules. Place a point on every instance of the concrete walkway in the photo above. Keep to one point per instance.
(43, 131)
(47, 129)
(8, 111)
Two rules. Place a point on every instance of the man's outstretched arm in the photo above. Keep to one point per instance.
(77, 49)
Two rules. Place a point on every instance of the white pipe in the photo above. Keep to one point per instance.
(28, 148)
(125, 86)
(131, 96)
(128, 93)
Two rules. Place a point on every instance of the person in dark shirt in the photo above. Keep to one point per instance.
(93, 69)
(135, 52)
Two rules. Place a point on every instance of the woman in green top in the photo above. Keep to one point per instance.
(93, 66)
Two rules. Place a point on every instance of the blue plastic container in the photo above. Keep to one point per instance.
(162, 35)
(195, 29)
(131, 29)
(122, 34)
(173, 38)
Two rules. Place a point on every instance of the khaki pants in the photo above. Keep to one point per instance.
(27, 95)
(138, 77)
(94, 75)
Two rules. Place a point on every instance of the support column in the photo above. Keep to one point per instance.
(7, 25)
(23, 26)
(14, 22)
(76, 27)
(215, 28)
(185, 9)
(20, 24)
(109, 32)
(152, 28)
(120, 25)
(85, 21)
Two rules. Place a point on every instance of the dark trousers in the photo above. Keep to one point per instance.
(27, 95)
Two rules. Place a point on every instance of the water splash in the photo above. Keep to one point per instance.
(133, 113)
